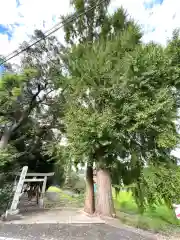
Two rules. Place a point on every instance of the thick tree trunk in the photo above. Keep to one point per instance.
(89, 206)
(5, 139)
(104, 203)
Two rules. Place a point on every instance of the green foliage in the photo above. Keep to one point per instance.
(80, 186)
(25, 116)
(59, 177)
(9, 81)
(8, 157)
(167, 140)
(117, 107)
(64, 198)
(8, 165)
(121, 109)
(85, 27)
(97, 23)
(10, 88)
(122, 106)
(157, 219)
(160, 184)
(7, 171)
(75, 183)
(6, 195)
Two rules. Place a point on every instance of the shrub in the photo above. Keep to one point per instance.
(6, 196)
(80, 186)
(75, 183)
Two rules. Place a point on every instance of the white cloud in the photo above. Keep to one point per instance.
(157, 22)
(30, 15)
(165, 18)
(162, 18)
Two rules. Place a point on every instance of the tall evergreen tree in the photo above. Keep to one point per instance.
(95, 25)
(121, 111)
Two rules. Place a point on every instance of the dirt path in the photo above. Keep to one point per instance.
(68, 232)
(69, 224)
(53, 216)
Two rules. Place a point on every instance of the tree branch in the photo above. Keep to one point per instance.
(27, 111)
(3, 114)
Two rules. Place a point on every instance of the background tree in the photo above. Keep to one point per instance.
(27, 121)
(33, 90)
(159, 185)
(14, 112)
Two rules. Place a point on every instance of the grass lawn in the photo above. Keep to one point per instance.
(158, 219)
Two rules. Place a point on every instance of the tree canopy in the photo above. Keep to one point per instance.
(114, 98)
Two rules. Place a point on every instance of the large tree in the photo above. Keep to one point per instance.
(122, 109)
(93, 25)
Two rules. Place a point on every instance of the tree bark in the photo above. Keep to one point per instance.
(5, 139)
(104, 203)
(89, 206)
(22, 117)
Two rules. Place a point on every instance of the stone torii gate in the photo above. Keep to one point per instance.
(25, 177)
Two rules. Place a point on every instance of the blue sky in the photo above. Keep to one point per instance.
(18, 3)
(151, 4)
(5, 30)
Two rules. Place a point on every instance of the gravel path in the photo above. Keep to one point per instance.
(67, 232)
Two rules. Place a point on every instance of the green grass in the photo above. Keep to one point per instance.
(158, 219)
(64, 199)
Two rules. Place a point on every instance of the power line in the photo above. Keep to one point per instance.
(51, 32)
(46, 32)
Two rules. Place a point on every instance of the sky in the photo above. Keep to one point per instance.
(19, 18)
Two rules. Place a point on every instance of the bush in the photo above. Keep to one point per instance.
(6, 196)
(75, 183)
(80, 186)
(161, 185)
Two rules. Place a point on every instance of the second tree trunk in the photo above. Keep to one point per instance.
(104, 203)
(5, 139)
(89, 206)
